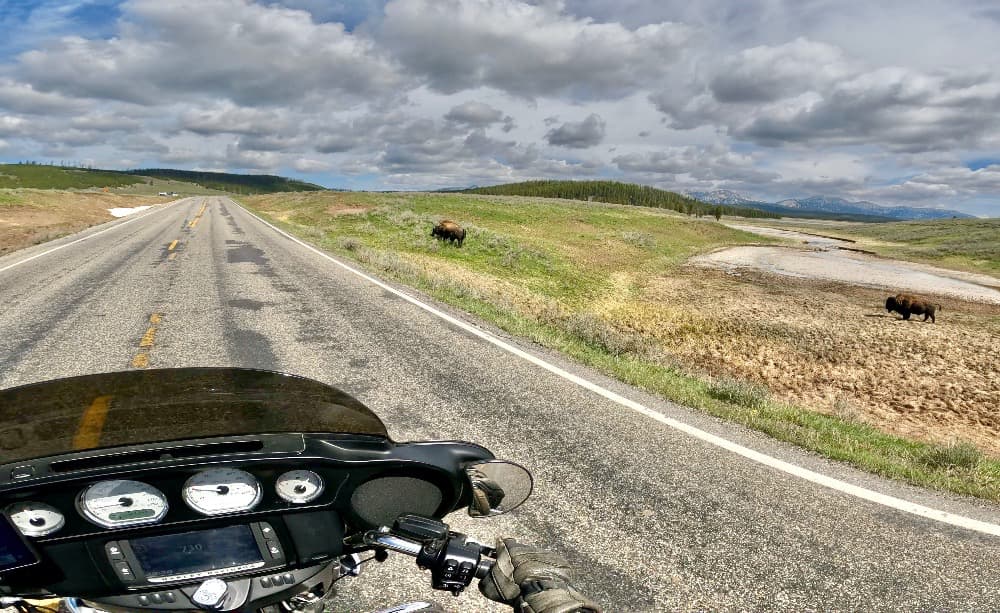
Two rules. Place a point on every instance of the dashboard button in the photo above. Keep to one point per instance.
(114, 552)
(144, 600)
(156, 598)
(288, 578)
(124, 571)
(274, 549)
(170, 597)
(265, 582)
(266, 530)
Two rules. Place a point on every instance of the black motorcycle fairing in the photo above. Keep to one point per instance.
(393, 478)
(144, 406)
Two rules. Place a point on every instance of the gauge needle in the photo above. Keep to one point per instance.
(108, 506)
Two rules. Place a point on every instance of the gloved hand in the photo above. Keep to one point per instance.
(533, 581)
(486, 493)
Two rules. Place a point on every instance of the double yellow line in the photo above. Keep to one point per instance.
(197, 218)
(141, 359)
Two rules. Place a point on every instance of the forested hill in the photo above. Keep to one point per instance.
(228, 182)
(618, 193)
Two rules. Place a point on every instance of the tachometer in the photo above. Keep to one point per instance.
(118, 503)
(222, 490)
(35, 518)
(299, 486)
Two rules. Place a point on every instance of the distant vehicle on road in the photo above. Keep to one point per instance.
(163, 194)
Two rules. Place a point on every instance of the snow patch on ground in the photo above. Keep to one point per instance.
(122, 211)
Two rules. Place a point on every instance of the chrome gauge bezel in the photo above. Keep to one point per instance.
(301, 474)
(16, 511)
(215, 475)
(83, 503)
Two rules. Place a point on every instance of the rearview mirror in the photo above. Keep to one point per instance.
(498, 486)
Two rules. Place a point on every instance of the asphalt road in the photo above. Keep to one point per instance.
(652, 518)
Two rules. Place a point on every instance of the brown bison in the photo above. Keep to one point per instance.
(908, 304)
(448, 230)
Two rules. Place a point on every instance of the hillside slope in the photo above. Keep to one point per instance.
(617, 193)
(229, 182)
(39, 176)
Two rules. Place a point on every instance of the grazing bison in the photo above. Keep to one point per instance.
(908, 304)
(448, 230)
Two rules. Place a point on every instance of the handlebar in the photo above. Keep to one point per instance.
(453, 559)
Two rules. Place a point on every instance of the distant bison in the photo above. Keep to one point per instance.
(908, 304)
(448, 230)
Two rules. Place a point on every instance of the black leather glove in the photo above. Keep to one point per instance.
(533, 581)
(486, 493)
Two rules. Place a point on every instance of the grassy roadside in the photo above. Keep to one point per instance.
(582, 279)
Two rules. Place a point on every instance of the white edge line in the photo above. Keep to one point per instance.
(90, 236)
(792, 469)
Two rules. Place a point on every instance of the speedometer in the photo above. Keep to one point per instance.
(222, 490)
(117, 503)
(299, 486)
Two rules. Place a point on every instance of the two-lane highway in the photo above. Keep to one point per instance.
(654, 519)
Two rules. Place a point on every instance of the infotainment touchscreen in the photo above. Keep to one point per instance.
(196, 552)
(14, 551)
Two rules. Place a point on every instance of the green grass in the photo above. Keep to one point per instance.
(230, 182)
(57, 177)
(183, 182)
(540, 268)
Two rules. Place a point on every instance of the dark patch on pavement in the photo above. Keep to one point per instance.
(359, 362)
(389, 295)
(246, 253)
(246, 303)
(250, 349)
(230, 220)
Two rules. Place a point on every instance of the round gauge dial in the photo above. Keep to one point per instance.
(35, 518)
(118, 503)
(222, 490)
(299, 486)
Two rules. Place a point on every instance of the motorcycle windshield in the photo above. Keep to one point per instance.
(147, 406)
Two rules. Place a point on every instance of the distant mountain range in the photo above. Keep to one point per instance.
(826, 206)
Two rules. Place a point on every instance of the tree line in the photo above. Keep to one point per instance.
(224, 181)
(617, 192)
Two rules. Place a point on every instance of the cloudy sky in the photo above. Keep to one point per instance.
(896, 101)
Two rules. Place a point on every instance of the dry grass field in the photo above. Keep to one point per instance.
(833, 349)
(30, 216)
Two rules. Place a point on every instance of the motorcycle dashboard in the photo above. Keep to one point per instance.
(110, 520)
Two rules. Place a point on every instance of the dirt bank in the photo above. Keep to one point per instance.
(29, 217)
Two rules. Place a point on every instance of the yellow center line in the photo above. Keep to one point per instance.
(172, 245)
(172, 256)
(88, 434)
(141, 359)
